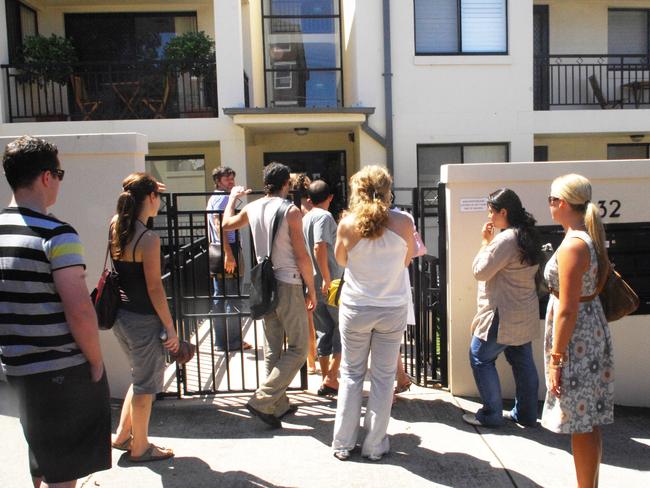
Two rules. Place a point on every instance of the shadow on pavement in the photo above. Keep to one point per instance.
(181, 472)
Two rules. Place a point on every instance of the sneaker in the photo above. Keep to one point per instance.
(267, 418)
(374, 457)
(471, 419)
(289, 411)
(508, 416)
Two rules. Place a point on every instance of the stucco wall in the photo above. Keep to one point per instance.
(95, 165)
(582, 147)
(626, 181)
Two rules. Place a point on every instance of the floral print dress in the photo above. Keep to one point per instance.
(587, 380)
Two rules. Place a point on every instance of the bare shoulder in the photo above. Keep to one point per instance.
(150, 240)
(294, 213)
(346, 225)
(399, 222)
(574, 251)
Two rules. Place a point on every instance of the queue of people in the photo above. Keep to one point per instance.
(42, 282)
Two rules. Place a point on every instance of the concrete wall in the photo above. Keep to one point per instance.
(626, 181)
(87, 201)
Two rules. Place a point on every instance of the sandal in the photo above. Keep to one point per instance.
(149, 456)
(123, 446)
(404, 386)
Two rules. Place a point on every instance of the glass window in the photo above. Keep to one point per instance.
(627, 32)
(461, 26)
(432, 157)
(181, 174)
(627, 151)
(125, 37)
(21, 23)
(302, 53)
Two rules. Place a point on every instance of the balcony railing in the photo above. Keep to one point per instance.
(100, 91)
(583, 81)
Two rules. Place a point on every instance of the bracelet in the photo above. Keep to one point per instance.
(558, 359)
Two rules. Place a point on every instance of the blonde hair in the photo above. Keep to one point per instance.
(370, 200)
(576, 191)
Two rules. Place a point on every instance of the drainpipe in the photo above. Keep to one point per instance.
(388, 88)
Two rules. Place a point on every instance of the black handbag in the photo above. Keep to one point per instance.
(106, 297)
(264, 287)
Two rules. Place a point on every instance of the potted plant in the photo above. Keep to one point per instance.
(191, 55)
(47, 61)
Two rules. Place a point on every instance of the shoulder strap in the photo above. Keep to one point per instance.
(138, 242)
(279, 215)
(108, 249)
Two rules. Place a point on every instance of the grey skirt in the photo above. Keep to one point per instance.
(138, 335)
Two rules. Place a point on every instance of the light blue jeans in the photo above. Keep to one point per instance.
(226, 329)
(482, 356)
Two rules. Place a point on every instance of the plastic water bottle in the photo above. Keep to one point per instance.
(163, 335)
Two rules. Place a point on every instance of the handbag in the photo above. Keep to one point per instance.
(334, 291)
(106, 296)
(264, 288)
(215, 261)
(617, 298)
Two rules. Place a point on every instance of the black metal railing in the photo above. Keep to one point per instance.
(100, 91)
(591, 81)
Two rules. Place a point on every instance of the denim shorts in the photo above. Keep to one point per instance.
(139, 337)
(326, 323)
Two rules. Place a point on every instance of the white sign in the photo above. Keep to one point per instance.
(473, 204)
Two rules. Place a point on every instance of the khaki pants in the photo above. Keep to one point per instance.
(290, 318)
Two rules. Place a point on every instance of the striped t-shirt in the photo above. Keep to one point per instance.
(34, 334)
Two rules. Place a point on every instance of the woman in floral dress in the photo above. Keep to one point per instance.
(578, 345)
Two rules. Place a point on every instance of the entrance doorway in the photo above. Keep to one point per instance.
(325, 165)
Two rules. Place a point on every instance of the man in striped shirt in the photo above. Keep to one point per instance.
(49, 340)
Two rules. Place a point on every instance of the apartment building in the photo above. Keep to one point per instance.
(329, 85)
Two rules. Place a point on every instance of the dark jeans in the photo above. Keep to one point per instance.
(226, 329)
(482, 356)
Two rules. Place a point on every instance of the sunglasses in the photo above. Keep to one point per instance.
(56, 172)
(552, 200)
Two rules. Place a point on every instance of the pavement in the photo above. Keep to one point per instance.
(218, 444)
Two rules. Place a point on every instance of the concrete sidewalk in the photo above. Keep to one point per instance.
(218, 444)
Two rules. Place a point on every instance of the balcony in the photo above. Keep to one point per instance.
(591, 81)
(100, 91)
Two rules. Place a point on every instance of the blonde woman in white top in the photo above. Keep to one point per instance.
(375, 244)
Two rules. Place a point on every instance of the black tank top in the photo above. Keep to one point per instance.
(134, 296)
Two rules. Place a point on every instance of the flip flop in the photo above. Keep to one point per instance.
(123, 446)
(149, 456)
(246, 346)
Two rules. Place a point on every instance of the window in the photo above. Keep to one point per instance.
(302, 53)
(431, 157)
(21, 23)
(461, 27)
(627, 34)
(181, 174)
(628, 151)
(125, 37)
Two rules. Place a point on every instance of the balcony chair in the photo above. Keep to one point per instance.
(86, 106)
(598, 93)
(158, 105)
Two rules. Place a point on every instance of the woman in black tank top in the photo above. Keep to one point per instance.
(143, 314)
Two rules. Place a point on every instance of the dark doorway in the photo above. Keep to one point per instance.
(325, 165)
(540, 57)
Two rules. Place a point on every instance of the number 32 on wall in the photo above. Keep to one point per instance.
(609, 209)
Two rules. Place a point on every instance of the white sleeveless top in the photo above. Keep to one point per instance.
(374, 275)
(261, 215)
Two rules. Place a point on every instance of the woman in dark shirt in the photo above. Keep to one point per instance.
(143, 313)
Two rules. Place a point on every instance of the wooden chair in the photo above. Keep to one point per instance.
(158, 105)
(86, 106)
(598, 93)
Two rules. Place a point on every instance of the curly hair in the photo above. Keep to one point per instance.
(136, 187)
(370, 197)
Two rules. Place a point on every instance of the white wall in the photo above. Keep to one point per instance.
(95, 165)
(626, 181)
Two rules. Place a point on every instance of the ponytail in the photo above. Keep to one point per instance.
(596, 231)
(136, 187)
(370, 200)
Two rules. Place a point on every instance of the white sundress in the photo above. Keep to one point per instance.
(587, 380)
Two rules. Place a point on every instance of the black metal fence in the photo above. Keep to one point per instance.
(190, 290)
(591, 80)
(100, 91)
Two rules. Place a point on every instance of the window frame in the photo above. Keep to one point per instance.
(462, 146)
(338, 17)
(633, 144)
(17, 32)
(633, 9)
(459, 37)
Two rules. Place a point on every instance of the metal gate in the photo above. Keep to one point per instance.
(182, 225)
